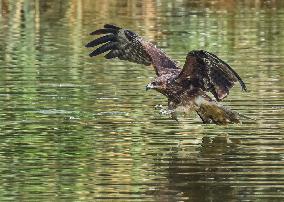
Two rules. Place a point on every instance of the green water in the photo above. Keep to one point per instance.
(75, 128)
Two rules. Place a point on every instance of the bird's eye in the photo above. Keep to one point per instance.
(154, 83)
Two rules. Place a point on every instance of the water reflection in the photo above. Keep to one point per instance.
(218, 169)
(200, 174)
(74, 128)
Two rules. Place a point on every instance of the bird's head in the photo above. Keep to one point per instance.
(160, 84)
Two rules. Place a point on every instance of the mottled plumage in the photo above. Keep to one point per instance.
(188, 86)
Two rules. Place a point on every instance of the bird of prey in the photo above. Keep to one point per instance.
(187, 87)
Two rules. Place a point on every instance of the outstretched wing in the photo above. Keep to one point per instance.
(208, 72)
(127, 45)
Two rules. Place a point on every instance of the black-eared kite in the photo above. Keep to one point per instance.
(186, 86)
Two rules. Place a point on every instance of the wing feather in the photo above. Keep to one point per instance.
(208, 72)
(101, 40)
(104, 31)
(104, 48)
(127, 45)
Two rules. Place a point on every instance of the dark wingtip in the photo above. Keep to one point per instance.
(98, 31)
(104, 48)
(243, 85)
(89, 45)
(111, 26)
(104, 31)
(101, 40)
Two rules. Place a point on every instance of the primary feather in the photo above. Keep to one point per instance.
(130, 46)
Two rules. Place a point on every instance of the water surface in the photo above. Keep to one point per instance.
(81, 129)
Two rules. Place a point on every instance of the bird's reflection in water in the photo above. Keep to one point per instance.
(205, 174)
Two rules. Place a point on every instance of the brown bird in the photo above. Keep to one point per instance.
(185, 87)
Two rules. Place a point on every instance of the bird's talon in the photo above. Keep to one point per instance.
(159, 107)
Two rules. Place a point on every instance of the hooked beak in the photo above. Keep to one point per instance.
(149, 86)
